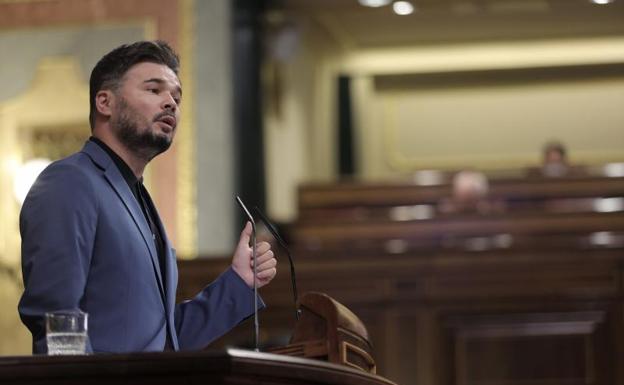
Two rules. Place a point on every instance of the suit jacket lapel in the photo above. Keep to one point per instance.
(114, 177)
(171, 272)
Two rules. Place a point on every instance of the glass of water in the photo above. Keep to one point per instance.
(66, 332)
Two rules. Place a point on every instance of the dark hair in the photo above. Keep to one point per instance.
(111, 68)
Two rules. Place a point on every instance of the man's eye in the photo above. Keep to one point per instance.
(153, 90)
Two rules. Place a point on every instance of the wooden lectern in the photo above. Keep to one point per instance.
(328, 331)
(230, 367)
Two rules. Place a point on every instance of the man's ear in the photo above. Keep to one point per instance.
(104, 101)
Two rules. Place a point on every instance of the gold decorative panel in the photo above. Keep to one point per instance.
(56, 143)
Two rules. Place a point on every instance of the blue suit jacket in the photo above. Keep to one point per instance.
(86, 244)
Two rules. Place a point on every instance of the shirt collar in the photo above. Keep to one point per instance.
(123, 167)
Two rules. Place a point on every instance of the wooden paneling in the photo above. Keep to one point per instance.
(568, 347)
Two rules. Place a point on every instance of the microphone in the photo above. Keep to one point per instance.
(253, 257)
(280, 240)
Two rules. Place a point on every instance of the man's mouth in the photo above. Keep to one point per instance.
(169, 121)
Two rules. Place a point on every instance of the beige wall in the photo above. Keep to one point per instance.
(494, 126)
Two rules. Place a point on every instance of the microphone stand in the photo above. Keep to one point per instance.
(255, 282)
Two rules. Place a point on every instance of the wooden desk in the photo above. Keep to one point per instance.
(360, 202)
(315, 196)
(519, 230)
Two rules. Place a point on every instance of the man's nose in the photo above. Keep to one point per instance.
(170, 104)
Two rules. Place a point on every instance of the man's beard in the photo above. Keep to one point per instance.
(144, 143)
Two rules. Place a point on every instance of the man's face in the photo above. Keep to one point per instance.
(553, 156)
(147, 109)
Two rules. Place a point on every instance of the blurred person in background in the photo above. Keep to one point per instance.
(554, 160)
(469, 194)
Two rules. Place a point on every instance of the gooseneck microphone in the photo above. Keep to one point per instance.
(282, 243)
(255, 270)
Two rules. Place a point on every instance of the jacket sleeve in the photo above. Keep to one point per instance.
(219, 307)
(57, 225)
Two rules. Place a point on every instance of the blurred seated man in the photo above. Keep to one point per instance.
(555, 161)
(469, 195)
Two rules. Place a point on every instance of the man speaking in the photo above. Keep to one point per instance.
(91, 235)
